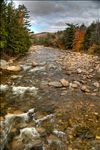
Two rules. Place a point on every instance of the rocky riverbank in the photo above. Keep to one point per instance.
(64, 89)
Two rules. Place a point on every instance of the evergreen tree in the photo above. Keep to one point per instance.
(69, 36)
(3, 25)
(87, 39)
(14, 29)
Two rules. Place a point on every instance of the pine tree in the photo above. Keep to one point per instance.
(14, 33)
(3, 26)
(87, 39)
(69, 36)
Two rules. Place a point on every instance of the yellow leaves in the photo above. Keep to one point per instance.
(79, 38)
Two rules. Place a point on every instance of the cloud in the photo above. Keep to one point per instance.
(52, 15)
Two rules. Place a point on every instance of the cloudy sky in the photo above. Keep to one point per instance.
(51, 16)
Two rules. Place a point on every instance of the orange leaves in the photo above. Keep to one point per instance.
(78, 40)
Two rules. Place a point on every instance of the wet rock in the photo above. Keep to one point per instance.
(28, 139)
(34, 64)
(38, 68)
(41, 131)
(64, 82)
(25, 67)
(55, 84)
(77, 82)
(96, 84)
(63, 93)
(98, 68)
(12, 121)
(79, 70)
(3, 64)
(30, 132)
(15, 76)
(14, 68)
(84, 88)
(11, 61)
(68, 72)
(93, 94)
(73, 85)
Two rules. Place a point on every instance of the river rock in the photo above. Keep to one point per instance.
(98, 68)
(41, 131)
(73, 85)
(76, 82)
(14, 68)
(84, 88)
(79, 70)
(96, 84)
(3, 64)
(28, 139)
(56, 84)
(34, 64)
(64, 82)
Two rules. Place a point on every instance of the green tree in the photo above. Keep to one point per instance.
(3, 25)
(87, 39)
(15, 37)
(68, 36)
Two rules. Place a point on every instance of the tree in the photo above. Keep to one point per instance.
(14, 29)
(78, 39)
(3, 25)
(68, 36)
(87, 39)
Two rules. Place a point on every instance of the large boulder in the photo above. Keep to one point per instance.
(14, 68)
(3, 64)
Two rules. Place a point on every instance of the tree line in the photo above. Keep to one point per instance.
(75, 37)
(14, 28)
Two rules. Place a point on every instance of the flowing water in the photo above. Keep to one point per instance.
(29, 88)
(41, 96)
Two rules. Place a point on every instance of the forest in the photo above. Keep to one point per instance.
(14, 31)
(16, 36)
(74, 37)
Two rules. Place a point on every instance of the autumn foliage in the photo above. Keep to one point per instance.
(78, 40)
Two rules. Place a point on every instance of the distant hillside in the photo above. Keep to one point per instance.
(42, 35)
